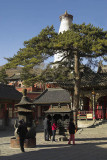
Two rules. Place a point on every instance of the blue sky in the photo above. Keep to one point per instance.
(21, 20)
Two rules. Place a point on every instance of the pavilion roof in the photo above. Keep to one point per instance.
(52, 96)
(59, 110)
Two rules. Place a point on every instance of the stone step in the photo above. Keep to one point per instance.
(92, 124)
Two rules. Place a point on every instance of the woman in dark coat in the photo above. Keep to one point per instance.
(71, 132)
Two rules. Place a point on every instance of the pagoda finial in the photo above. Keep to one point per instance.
(66, 12)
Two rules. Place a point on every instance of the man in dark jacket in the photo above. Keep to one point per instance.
(22, 131)
(46, 129)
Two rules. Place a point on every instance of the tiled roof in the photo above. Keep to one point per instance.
(14, 77)
(95, 79)
(89, 79)
(51, 96)
(9, 92)
(24, 101)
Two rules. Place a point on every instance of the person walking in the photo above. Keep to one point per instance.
(71, 132)
(54, 127)
(46, 129)
(22, 131)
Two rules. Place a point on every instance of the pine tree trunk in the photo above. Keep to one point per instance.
(76, 86)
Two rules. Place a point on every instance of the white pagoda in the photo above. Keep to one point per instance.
(66, 21)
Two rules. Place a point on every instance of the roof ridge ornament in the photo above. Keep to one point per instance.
(24, 92)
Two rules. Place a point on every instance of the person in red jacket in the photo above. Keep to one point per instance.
(54, 127)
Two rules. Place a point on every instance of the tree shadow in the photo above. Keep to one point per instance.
(91, 139)
(6, 133)
(4, 143)
(94, 125)
(81, 151)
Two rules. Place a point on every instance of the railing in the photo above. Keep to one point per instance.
(85, 115)
(99, 114)
(84, 112)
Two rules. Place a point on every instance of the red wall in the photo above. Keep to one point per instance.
(32, 96)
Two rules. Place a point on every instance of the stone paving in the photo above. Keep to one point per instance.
(91, 144)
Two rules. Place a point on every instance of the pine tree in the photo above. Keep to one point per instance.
(79, 43)
(3, 76)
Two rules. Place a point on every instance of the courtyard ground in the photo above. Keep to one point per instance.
(91, 144)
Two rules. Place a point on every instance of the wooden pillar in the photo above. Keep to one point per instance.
(93, 100)
(13, 110)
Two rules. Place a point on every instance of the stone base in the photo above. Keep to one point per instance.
(29, 143)
(63, 139)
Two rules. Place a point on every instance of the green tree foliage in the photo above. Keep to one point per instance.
(35, 51)
(3, 76)
(79, 43)
(56, 74)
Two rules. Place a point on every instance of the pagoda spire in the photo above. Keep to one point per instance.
(66, 12)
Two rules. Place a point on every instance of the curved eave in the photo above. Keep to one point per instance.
(24, 101)
(51, 102)
(58, 111)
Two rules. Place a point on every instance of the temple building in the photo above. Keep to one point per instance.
(9, 96)
(93, 96)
